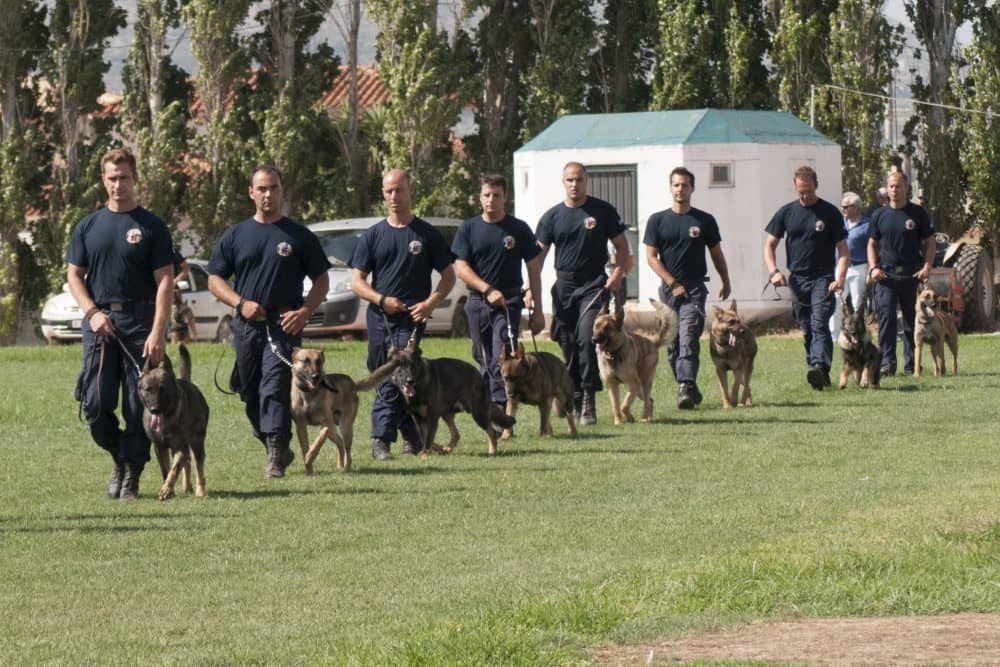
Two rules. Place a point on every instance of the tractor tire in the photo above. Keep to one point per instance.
(459, 321)
(975, 270)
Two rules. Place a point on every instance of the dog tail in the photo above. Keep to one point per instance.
(376, 378)
(499, 417)
(668, 322)
(185, 367)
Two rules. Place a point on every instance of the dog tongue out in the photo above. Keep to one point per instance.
(156, 423)
(732, 340)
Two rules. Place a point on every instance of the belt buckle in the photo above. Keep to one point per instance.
(898, 269)
(259, 318)
(116, 306)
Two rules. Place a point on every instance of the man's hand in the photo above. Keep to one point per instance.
(252, 310)
(100, 323)
(836, 286)
(679, 291)
(495, 298)
(536, 322)
(922, 274)
(613, 282)
(421, 312)
(876, 275)
(293, 321)
(778, 279)
(392, 305)
(725, 291)
(154, 348)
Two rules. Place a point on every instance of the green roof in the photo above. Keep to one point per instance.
(673, 128)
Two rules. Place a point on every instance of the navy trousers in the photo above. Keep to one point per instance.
(813, 310)
(389, 413)
(685, 354)
(100, 383)
(488, 330)
(262, 379)
(896, 291)
(573, 327)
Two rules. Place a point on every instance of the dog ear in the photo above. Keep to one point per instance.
(620, 318)
(732, 306)
(520, 351)
(167, 366)
(149, 365)
(848, 305)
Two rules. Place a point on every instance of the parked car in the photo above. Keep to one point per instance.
(61, 317)
(343, 311)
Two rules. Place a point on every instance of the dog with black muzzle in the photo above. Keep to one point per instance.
(733, 347)
(934, 327)
(537, 378)
(861, 355)
(438, 388)
(175, 418)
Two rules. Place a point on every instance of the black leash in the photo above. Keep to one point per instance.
(777, 297)
(531, 312)
(102, 341)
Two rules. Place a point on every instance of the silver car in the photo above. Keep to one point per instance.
(343, 311)
(61, 317)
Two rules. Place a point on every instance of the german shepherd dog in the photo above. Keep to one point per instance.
(935, 327)
(175, 418)
(329, 400)
(438, 388)
(537, 378)
(630, 358)
(861, 355)
(733, 347)
(181, 328)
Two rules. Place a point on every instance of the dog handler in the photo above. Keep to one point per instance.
(580, 228)
(270, 255)
(490, 249)
(676, 240)
(815, 247)
(120, 271)
(901, 253)
(399, 252)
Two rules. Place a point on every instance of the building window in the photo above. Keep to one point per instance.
(721, 175)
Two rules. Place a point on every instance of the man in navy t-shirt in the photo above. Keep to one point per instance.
(676, 240)
(270, 256)
(399, 253)
(901, 253)
(120, 271)
(580, 227)
(490, 250)
(817, 255)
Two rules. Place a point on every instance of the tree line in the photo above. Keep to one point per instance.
(516, 64)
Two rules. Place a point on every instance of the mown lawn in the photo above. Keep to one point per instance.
(809, 504)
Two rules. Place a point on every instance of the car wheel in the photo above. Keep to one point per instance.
(224, 334)
(459, 321)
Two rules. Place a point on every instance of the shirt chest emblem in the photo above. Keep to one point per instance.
(415, 247)
(694, 231)
(284, 249)
(820, 226)
(910, 225)
(133, 235)
(509, 242)
(590, 223)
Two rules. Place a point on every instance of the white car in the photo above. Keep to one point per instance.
(343, 311)
(61, 317)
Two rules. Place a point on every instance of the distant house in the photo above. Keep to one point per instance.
(743, 163)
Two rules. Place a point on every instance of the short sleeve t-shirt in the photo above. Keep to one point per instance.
(400, 260)
(270, 261)
(811, 236)
(495, 250)
(681, 239)
(901, 233)
(120, 251)
(580, 235)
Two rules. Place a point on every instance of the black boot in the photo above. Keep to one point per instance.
(588, 411)
(115, 481)
(130, 481)
(276, 456)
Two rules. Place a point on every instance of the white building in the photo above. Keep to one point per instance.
(743, 163)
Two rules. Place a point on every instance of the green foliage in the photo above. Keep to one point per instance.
(798, 56)
(683, 75)
(625, 54)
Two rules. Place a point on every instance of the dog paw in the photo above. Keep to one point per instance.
(166, 493)
(507, 434)
(309, 470)
(645, 420)
(629, 418)
(200, 492)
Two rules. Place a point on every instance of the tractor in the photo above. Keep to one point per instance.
(962, 279)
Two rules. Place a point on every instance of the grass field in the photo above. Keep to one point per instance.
(813, 504)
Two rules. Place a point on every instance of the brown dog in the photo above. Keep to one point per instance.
(934, 327)
(630, 358)
(733, 347)
(175, 418)
(329, 400)
(537, 378)
(861, 355)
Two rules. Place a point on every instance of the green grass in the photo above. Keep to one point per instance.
(809, 504)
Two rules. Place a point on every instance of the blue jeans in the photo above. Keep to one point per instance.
(488, 330)
(889, 293)
(685, 355)
(389, 412)
(812, 310)
(575, 306)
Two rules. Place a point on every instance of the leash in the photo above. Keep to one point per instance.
(510, 331)
(531, 312)
(599, 294)
(102, 341)
(777, 297)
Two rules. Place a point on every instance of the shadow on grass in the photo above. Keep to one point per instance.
(424, 469)
(676, 421)
(572, 451)
(94, 529)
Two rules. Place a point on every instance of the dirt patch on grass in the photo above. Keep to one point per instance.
(953, 639)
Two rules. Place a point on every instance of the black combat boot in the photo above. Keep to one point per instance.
(115, 481)
(130, 481)
(588, 411)
(380, 450)
(277, 446)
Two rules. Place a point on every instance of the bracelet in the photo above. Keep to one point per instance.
(239, 306)
(773, 274)
(91, 312)
(670, 287)
(874, 269)
(381, 302)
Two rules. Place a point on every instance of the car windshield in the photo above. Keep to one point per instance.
(338, 244)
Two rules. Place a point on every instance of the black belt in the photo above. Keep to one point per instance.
(859, 263)
(271, 312)
(118, 306)
(507, 293)
(576, 276)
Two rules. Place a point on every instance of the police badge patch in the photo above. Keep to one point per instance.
(590, 223)
(820, 225)
(133, 235)
(694, 231)
(416, 247)
(284, 249)
(910, 225)
(508, 242)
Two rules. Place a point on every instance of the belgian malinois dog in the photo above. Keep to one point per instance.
(732, 347)
(934, 327)
(861, 355)
(175, 418)
(630, 358)
(329, 400)
(438, 388)
(537, 378)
